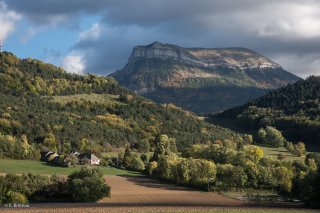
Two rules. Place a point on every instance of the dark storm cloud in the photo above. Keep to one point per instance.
(54, 12)
(287, 30)
(55, 7)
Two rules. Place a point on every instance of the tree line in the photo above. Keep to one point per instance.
(86, 185)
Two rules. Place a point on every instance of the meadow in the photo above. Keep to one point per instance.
(272, 152)
(37, 167)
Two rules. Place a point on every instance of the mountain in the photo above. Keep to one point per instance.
(44, 105)
(294, 109)
(199, 79)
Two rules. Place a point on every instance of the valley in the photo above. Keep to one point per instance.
(159, 106)
(137, 142)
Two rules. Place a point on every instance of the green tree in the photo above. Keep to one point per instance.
(202, 171)
(183, 171)
(164, 146)
(311, 190)
(271, 136)
(299, 149)
(71, 160)
(152, 168)
(283, 178)
(144, 146)
(132, 160)
(51, 142)
(229, 176)
(247, 139)
(262, 135)
(87, 185)
(252, 171)
(167, 166)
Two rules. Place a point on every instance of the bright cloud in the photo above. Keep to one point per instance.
(93, 33)
(7, 21)
(74, 63)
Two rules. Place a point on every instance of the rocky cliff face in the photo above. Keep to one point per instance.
(240, 58)
(165, 72)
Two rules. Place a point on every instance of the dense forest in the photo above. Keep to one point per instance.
(43, 106)
(230, 165)
(294, 109)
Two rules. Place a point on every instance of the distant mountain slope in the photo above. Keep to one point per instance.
(294, 109)
(198, 79)
(67, 111)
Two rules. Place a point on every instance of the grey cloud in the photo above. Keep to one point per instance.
(55, 7)
(285, 30)
(51, 12)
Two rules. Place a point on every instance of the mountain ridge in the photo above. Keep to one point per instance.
(159, 71)
(198, 55)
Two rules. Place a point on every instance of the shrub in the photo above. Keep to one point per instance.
(71, 160)
(281, 156)
(16, 198)
(152, 168)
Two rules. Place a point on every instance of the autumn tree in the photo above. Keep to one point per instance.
(164, 146)
(254, 153)
(271, 136)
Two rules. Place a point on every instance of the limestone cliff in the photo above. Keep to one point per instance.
(198, 78)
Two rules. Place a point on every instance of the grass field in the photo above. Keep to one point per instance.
(94, 98)
(115, 154)
(25, 166)
(110, 154)
(273, 153)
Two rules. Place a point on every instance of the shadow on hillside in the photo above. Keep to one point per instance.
(146, 181)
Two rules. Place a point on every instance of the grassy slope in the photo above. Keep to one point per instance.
(25, 166)
(93, 97)
(273, 153)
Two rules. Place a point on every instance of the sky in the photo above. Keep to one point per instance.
(97, 36)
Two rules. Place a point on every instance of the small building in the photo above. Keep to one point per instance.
(90, 158)
(45, 156)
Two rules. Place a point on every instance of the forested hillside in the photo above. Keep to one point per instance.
(41, 104)
(294, 109)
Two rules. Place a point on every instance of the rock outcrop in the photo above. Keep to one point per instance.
(241, 58)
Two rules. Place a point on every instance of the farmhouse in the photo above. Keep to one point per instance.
(93, 160)
(48, 156)
(84, 158)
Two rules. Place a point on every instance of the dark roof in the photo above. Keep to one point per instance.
(45, 155)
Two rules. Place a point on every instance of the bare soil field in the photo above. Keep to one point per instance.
(150, 209)
(142, 194)
(143, 191)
